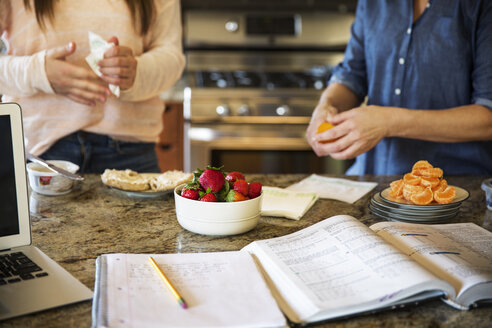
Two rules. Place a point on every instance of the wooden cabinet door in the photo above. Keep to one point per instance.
(169, 148)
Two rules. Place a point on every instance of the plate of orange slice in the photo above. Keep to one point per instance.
(421, 195)
(460, 196)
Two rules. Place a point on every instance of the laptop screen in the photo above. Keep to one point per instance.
(9, 223)
(15, 229)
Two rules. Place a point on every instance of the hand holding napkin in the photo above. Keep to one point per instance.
(348, 191)
(286, 203)
(98, 48)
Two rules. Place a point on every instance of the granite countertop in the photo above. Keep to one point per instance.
(93, 219)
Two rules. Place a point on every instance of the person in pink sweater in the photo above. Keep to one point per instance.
(69, 112)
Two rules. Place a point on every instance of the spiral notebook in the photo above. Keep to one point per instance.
(221, 289)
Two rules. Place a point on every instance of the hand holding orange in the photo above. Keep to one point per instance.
(323, 127)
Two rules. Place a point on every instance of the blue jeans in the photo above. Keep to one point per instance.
(95, 152)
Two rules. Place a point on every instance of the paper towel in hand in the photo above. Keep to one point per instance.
(334, 188)
(98, 47)
(286, 203)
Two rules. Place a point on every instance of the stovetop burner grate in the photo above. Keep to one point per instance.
(316, 78)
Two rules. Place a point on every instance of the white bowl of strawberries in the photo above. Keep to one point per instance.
(216, 203)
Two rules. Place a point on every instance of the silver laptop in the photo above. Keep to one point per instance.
(29, 280)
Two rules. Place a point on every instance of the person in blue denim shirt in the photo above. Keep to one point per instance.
(425, 70)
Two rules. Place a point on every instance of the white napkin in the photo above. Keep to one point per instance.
(98, 48)
(286, 203)
(348, 191)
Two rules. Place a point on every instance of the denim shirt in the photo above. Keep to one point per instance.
(442, 60)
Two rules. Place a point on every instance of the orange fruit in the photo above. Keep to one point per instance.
(322, 128)
(423, 197)
(445, 196)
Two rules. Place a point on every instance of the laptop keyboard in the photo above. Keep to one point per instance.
(16, 267)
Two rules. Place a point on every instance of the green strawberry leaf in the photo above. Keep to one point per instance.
(221, 195)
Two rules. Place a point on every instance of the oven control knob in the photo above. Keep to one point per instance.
(223, 110)
(244, 110)
(232, 26)
(283, 110)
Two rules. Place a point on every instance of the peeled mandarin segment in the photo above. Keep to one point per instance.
(441, 186)
(421, 165)
(445, 196)
(408, 190)
(411, 179)
(396, 189)
(422, 198)
(434, 172)
(322, 128)
(429, 182)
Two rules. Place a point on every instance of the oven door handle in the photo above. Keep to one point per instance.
(255, 143)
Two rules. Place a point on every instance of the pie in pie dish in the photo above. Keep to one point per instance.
(133, 181)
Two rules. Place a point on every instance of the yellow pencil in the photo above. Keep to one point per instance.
(173, 290)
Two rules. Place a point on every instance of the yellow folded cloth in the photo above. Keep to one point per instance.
(286, 203)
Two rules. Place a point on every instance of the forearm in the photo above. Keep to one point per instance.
(156, 72)
(338, 96)
(23, 76)
(458, 124)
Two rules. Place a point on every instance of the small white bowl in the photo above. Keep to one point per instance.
(217, 218)
(44, 181)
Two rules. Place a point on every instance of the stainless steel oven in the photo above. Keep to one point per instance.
(253, 79)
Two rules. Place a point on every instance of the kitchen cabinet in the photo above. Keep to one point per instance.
(169, 148)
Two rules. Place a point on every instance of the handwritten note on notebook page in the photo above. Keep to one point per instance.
(223, 289)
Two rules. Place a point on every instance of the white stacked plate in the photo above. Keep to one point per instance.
(386, 207)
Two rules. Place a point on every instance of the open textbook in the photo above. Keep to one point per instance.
(335, 268)
(340, 267)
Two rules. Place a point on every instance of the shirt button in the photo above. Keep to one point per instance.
(401, 61)
(409, 30)
(428, 4)
(397, 91)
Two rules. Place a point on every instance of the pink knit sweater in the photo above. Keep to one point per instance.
(135, 116)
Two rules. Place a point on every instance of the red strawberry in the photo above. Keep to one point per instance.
(212, 178)
(241, 186)
(254, 189)
(190, 193)
(233, 176)
(234, 196)
(208, 197)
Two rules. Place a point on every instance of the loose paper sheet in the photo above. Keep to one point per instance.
(222, 289)
(348, 191)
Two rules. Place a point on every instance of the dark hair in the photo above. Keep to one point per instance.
(143, 12)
